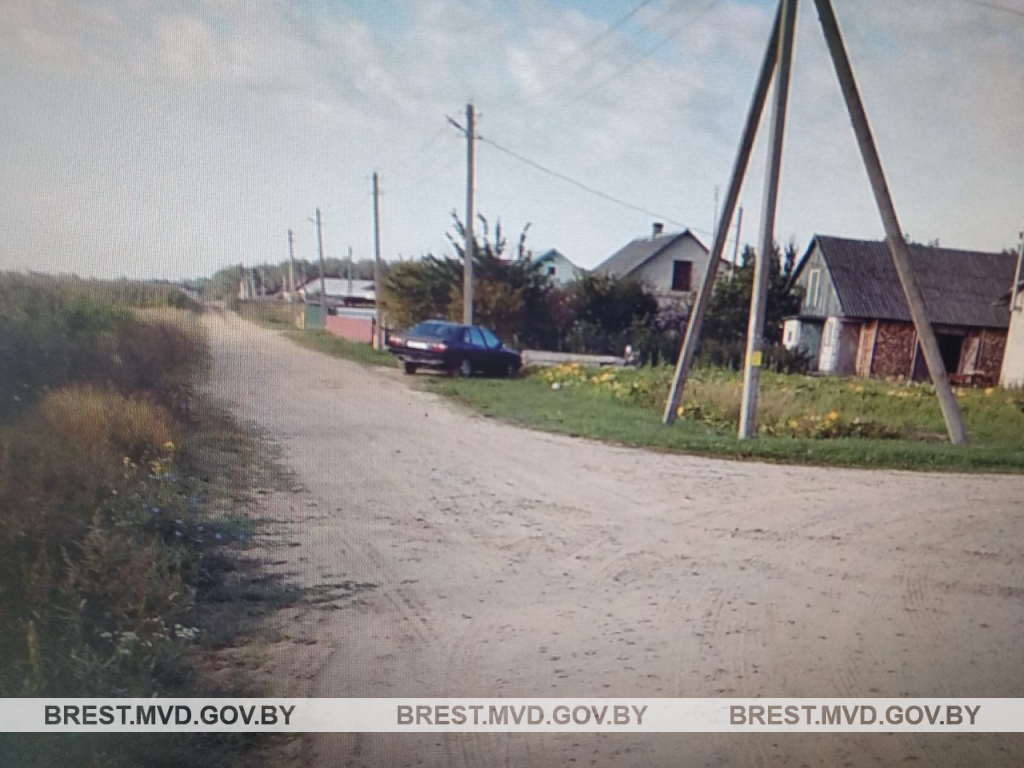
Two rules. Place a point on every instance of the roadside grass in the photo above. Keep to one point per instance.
(326, 342)
(278, 315)
(909, 418)
(115, 545)
(828, 421)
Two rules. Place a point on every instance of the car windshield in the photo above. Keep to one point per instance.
(436, 331)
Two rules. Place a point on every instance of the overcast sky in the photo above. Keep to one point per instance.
(169, 139)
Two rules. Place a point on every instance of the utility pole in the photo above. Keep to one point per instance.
(1015, 290)
(714, 219)
(378, 331)
(898, 249)
(736, 245)
(762, 264)
(291, 265)
(470, 248)
(739, 169)
(350, 271)
(320, 250)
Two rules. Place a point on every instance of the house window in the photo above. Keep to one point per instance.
(552, 271)
(682, 273)
(814, 288)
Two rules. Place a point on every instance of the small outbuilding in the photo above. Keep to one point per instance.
(854, 318)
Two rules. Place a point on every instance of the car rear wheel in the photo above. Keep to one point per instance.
(465, 369)
(408, 368)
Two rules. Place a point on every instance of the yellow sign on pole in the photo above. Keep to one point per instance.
(755, 358)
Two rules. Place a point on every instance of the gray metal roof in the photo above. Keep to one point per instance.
(639, 252)
(959, 287)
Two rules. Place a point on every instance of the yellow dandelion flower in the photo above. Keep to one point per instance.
(832, 415)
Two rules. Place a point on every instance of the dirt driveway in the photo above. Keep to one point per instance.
(513, 563)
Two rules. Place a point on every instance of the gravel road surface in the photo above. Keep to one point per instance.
(473, 558)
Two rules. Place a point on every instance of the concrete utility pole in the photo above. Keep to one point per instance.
(762, 265)
(893, 232)
(1015, 290)
(739, 169)
(714, 219)
(736, 245)
(349, 271)
(378, 336)
(467, 275)
(320, 250)
(291, 265)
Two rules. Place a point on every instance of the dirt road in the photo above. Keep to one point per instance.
(513, 563)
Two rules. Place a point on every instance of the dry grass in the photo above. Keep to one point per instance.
(107, 540)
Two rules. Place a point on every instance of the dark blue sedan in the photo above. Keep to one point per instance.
(461, 350)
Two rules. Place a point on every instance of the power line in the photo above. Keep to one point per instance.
(995, 7)
(580, 184)
(595, 40)
(649, 51)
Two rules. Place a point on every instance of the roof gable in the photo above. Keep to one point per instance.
(554, 255)
(959, 287)
(634, 255)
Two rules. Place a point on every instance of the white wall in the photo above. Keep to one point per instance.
(1013, 359)
(838, 351)
(657, 273)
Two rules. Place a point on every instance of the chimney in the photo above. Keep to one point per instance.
(656, 229)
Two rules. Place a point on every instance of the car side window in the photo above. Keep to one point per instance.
(490, 340)
(476, 337)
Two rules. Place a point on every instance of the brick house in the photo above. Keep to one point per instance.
(854, 318)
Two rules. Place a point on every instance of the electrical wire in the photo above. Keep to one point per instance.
(994, 7)
(592, 43)
(579, 184)
(647, 53)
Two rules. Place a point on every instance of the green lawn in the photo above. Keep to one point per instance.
(594, 409)
(276, 315)
(802, 420)
(329, 344)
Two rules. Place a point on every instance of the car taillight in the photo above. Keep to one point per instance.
(396, 341)
(438, 347)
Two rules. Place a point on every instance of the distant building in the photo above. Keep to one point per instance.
(557, 267)
(340, 291)
(672, 265)
(854, 318)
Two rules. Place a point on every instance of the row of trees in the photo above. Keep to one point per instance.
(595, 313)
(271, 278)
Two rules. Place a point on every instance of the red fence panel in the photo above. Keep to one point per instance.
(352, 328)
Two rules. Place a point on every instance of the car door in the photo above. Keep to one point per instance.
(477, 349)
(492, 350)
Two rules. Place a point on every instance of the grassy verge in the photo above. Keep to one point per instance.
(276, 315)
(629, 415)
(281, 317)
(122, 517)
(803, 420)
(329, 344)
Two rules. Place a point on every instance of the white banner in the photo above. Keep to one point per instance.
(538, 715)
